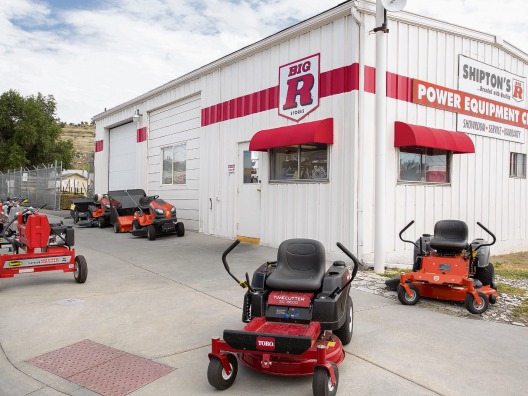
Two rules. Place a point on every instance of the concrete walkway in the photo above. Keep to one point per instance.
(163, 300)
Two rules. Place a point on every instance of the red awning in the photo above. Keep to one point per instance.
(321, 131)
(406, 135)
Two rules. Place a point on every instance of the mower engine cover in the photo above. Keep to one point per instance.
(483, 254)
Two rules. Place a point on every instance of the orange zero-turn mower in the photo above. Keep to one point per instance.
(38, 246)
(448, 268)
(154, 217)
(298, 314)
(87, 212)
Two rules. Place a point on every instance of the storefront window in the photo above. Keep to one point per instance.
(518, 165)
(174, 164)
(421, 164)
(307, 162)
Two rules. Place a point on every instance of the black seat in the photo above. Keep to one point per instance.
(300, 266)
(144, 202)
(450, 235)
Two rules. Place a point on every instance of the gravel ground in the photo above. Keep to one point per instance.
(500, 312)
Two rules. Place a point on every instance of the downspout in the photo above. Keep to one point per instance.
(359, 18)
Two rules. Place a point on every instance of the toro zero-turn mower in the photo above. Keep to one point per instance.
(446, 267)
(37, 246)
(298, 315)
(154, 217)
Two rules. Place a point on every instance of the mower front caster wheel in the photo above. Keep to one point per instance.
(216, 374)
(322, 382)
(405, 299)
(81, 269)
(475, 308)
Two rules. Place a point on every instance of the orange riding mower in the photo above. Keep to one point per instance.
(446, 267)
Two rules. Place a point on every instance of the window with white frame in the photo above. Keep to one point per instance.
(174, 164)
(518, 165)
(306, 162)
(423, 164)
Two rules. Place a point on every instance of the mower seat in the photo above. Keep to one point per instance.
(450, 235)
(144, 203)
(300, 266)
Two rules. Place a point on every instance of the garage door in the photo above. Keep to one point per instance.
(122, 162)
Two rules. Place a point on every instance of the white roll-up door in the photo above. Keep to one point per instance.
(122, 160)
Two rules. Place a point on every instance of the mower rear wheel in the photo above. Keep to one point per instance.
(151, 232)
(81, 269)
(75, 216)
(217, 376)
(485, 274)
(135, 225)
(101, 223)
(180, 229)
(405, 299)
(322, 382)
(472, 306)
(344, 333)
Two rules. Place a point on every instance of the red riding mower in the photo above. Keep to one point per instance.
(155, 217)
(39, 246)
(123, 205)
(298, 317)
(446, 267)
(91, 212)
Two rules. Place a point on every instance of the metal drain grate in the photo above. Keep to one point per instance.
(101, 369)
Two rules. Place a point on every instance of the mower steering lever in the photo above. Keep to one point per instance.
(242, 284)
(405, 240)
(489, 232)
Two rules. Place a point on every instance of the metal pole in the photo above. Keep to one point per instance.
(380, 142)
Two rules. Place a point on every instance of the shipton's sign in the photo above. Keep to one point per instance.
(299, 88)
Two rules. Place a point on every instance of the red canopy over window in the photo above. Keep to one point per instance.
(321, 131)
(406, 135)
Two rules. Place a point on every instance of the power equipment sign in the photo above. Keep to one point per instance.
(299, 88)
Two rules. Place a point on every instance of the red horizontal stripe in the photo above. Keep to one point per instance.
(332, 82)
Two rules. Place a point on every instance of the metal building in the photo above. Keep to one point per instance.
(277, 140)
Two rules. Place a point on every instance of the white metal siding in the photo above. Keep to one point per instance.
(122, 157)
(177, 123)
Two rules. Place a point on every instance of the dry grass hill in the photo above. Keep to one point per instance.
(83, 136)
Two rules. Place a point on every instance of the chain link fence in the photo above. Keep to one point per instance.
(40, 185)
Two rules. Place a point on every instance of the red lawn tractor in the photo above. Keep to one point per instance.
(37, 246)
(154, 217)
(298, 315)
(446, 267)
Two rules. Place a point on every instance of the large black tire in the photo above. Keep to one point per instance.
(75, 216)
(151, 232)
(116, 228)
(135, 225)
(180, 229)
(81, 269)
(344, 333)
(216, 374)
(322, 384)
(485, 274)
(101, 223)
(406, 299)
(471, 304)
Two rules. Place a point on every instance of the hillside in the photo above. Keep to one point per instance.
(83, 142)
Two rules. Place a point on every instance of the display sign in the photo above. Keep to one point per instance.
(231, 168)
(476, 115)
(490, 82)
(299, 88)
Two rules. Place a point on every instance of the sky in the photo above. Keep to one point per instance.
(96, 54)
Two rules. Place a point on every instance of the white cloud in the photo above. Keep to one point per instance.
(94, 58)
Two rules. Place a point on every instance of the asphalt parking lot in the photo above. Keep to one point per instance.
(163, 300)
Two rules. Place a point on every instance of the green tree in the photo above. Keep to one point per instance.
(29, 132)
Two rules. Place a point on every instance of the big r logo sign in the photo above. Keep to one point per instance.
(299, 88)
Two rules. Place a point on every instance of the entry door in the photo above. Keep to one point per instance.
(248, 188)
